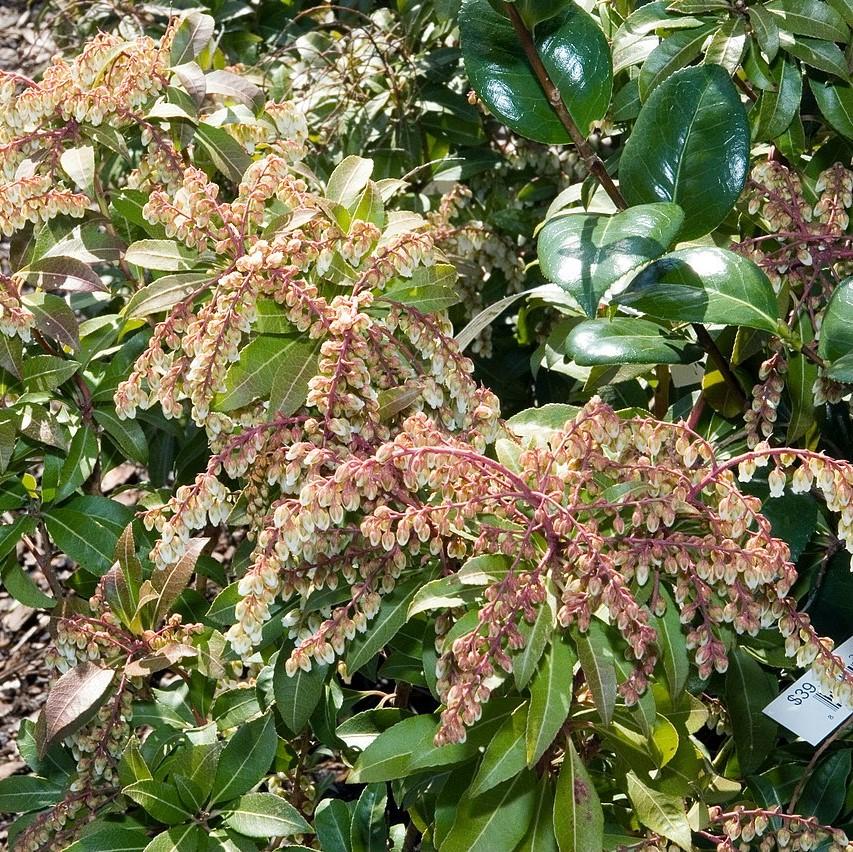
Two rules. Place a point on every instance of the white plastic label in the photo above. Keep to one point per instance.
(809, 711)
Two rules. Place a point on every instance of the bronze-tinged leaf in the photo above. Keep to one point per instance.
(126, 557)
(170, 581)
(168, 655)
(72, 702)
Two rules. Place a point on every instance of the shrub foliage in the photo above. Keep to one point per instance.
(320, 580)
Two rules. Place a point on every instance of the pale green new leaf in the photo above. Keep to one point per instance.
(664, 814)
(265, 815)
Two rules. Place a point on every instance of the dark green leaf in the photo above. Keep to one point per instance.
(578, 818)
(673, 53)
(498, 819)
(505, 756)
(227, 153)
(689, 145)
(245, 759)
(265, 815)
(572, 49)
(776, 109)
(47, 372)
(390, 754)
(627, 341)
(836, 105)
(596, 659)
(23, 793)
(369, 831)
(812, 18)
(748, 690)
(705, 285)
(550, 697)
(825, 791)
(836, 331)
(586, 254)
(672, 646)
(296, 697)
(332, 822)
(766, 30)
(160, 799)
(823, 55)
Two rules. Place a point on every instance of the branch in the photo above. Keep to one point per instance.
(593, 162)
(714, 355)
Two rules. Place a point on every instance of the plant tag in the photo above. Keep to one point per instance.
(808, 711)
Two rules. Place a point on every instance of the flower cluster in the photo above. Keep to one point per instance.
(15, 318)
(767, 829)
(603, 508)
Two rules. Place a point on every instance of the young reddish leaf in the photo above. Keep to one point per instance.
(170, 581)
(74, 699)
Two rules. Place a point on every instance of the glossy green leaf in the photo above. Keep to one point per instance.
(392, 615)
(595, 657)
(765, 28)
(728, 45)
(836, 105)
(573, 50)
(227, 153)
(812, 18)
(578, 817)
(823, 55)
(252, 376)
(498, 819)
(112, 837)
(164, 293)
(689, 145)
(662, 813)
(296, 697)
(191, 37)
(673, 53)
(672, 646)
(505, 756)
(127, 435)
(749, 689)
(245, 759)
(180, 838)
(777, 108)
(636, 38)
(536, 636)
(390, 754)
(836, 331)
(586, 254)
(705, 285)
(47, 372)
(825, 791)
(540, 837)
(159, 799)
(348, 180)
(550, 697)
(627, 341)
(24, 793)
(80, 462)
(369, 830)
(333, 822)
(265, 815)
(289, 388)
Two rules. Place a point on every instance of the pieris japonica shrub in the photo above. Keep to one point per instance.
(309, 588)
